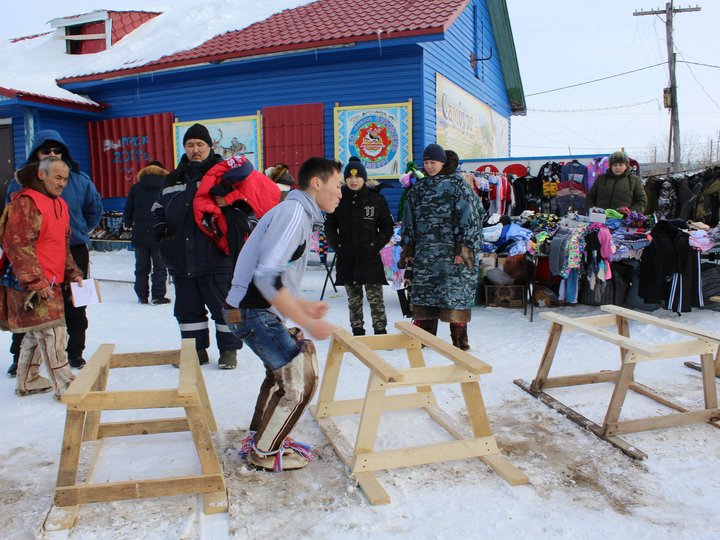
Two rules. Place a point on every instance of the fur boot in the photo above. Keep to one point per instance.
(458, 333)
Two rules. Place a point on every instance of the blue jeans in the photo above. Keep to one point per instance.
(267, 336)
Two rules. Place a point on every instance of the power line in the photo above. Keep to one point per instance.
(700, 64)
(595, 80)
(596, 109)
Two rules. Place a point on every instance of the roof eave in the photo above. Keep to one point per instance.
(218, 58)
(508, 58)
(22, 98)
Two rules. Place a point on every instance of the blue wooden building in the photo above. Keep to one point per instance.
(292, 70)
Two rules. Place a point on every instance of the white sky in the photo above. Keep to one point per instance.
(559, 43)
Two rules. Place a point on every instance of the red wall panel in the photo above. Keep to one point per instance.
(291, 134)
(120, 147)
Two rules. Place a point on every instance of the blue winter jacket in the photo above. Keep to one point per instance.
(82, 198)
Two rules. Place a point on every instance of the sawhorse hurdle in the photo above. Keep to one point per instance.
(632, 351)
(364, 460)
(88, 396)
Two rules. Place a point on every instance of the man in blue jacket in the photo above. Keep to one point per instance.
(86, 209)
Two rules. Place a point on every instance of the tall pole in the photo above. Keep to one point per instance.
(674, 140)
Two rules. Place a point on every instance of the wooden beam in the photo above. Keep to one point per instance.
(433, 375)
(187, 385)
(138, 489)
(662, 323)
(698, 367)
(85, 380)
(581, 378)
(129, 399)
(374, 492)
(143, 427)
(347, 407)
(144, 359)
(388, 342)
(664, 421)
(597, 321)
(459, 357)
(554, 334)
(620, 341)
(368, 357)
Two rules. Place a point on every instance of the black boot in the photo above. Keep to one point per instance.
(458, 333)
(358, 331)
(12, 370)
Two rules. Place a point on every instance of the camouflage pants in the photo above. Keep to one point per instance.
(377, 306)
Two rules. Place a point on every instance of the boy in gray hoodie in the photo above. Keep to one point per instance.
(263, 294)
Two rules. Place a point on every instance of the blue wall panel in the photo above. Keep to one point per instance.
(451, 58)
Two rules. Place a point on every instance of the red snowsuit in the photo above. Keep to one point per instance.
(257, 190)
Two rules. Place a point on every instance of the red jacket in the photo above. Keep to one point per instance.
(257, 190)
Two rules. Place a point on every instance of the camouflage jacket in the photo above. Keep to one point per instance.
(20, 226)
(442, 214)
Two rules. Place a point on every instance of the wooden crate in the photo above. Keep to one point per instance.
(509, 296)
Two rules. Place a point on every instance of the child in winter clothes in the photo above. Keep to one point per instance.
(357, 231)
(231, 198)
(35, 238)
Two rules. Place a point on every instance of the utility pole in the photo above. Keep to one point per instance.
(674, 141)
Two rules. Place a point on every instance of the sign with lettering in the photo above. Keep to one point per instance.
(468, 126)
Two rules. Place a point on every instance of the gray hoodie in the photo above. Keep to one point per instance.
(277, 251)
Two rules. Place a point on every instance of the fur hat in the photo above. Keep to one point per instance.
(434, 152)
(619, 157)
(28, 175)
(355, 167)
(198, 131)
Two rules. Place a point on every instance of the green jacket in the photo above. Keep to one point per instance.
(610, 191)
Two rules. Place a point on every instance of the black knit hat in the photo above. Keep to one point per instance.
(197, 131)
(355, 168)
(619, 157)
(434, 152)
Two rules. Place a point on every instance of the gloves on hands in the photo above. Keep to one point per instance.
(162, 232)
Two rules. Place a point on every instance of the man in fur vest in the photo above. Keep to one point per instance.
(35, 238)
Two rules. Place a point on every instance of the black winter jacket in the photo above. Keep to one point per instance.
(186, 250)
(357, 231)
(139, 202)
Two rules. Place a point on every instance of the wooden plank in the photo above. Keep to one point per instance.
(144, 359)
(340, 443)
(623, 329)
(476, 409)
(653, 394)
(70, 450)
(678, 350)
(664, 421)
(582, 378)
(209, 462)
(215, 503)
(331, 373)
(709, 389)
(187, 385)
(548, 355)
(92, 418)
(432, 375)
(85, 380)
(370, 418)
(143, 427)
(128, 399)
(421, 455)
(571, 414)
(619, 394)
(505, 469)
(698, 367)
(139, 489)
(417, 360)
(387, 342)
(616, 339)
(347, 407)
(662, 323)
(368, 357)
(459, 357)
(371, 488)
(598, 321)
(204, 399)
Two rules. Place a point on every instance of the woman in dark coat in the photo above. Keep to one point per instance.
(357, 231)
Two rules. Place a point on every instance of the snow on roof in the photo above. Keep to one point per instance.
(33, 65)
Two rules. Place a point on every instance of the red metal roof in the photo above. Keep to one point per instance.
(124, 22)
(319, 24)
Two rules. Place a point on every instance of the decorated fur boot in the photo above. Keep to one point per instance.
(458, 333)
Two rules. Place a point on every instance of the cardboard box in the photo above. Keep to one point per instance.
(509, 296)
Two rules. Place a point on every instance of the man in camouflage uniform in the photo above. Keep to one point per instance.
(442, 233)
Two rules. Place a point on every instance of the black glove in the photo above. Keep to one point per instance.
(162, 232)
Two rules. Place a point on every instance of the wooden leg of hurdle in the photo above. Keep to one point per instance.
(88, 396)
(364, 459)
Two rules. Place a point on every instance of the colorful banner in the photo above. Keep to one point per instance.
(380, 135)
(467, 125)
(236, 136)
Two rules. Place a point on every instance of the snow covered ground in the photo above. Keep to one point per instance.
(580, 487)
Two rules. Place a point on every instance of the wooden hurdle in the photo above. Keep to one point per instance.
(364, 460)
(88, 396)
(632, 351)
(698, 367)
